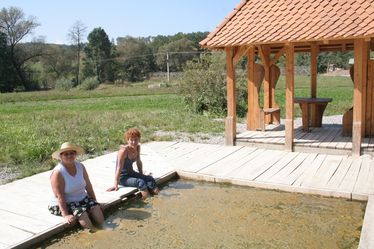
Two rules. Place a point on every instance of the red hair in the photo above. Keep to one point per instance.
(132, 133)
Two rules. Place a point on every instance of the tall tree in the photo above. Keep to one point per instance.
(7, 75)
(76, 35)
(16, 26)
(178, 51)
(137, 58)
(98, 59)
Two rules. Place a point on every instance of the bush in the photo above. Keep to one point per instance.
(89, 84)
(203, 86)
(64, 84)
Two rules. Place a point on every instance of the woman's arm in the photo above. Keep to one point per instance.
(89, 187)
(58, 188)
(120, 160)
(139, 162)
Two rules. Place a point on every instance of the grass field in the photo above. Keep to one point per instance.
(34, 124)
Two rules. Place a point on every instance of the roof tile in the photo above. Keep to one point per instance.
(272, 21)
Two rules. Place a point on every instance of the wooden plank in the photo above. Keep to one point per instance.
(307, 176)
(366, 238)
(325, 172)
(282, 176)
(350, 178)
(24, 223)
(341, 172)
(299, 171)
(363, 177)
(251, 169)
(221, 165)
(10, 235)
(234, 165)
(265, 177)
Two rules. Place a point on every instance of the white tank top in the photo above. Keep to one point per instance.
(75, 186)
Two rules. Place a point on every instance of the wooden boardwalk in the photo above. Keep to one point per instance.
(24, 218)
(326, 139)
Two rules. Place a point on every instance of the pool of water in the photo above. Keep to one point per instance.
(190, 214)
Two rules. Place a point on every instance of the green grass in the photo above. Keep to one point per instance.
(340, 89)
(34, 124)
(31, 129)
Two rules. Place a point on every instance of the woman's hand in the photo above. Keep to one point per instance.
(114, 188)
(70, 219)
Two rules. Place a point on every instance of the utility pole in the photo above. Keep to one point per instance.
(167, 66)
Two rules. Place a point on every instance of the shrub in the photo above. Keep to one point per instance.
(203, 86)
(64, 84)
(89, 84)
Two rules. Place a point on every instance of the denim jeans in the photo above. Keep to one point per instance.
(137, 180)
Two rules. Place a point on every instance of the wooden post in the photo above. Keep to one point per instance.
(360, 77)
(313, 70)
(251, 125)
(289, 136)
(230, 124)
(313, 79)
(265, 57)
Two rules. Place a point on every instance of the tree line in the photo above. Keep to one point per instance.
(26, 66)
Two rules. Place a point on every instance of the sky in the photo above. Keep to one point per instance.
(119, 18)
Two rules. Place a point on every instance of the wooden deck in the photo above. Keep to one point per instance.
(326, 139)
(24, 218)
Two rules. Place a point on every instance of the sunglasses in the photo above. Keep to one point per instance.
(70, 153)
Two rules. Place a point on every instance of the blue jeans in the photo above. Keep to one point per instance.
(137, 180)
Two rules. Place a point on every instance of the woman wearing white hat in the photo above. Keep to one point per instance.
(73, 195)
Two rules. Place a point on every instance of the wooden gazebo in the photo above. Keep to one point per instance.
(272, 28)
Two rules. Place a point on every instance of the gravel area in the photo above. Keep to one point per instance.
(7, 175)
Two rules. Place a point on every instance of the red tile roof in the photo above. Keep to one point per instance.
(279, 21)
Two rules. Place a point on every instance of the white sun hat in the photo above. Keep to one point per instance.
(67, 147)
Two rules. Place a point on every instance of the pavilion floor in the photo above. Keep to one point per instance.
(326, 139)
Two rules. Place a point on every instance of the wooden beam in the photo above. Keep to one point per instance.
(251, 125)
(360, 76)
(289, 132)
(313, 70)
(239, 53)
(230, 124)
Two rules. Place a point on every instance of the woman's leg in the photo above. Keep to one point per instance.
(136, 182)
(97, 214)
(84, 221)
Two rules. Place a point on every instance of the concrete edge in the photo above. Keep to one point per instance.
(63, 226)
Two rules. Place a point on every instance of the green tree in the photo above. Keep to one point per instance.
(98, 61)
(16, 26)
(179, 51)
(7, 75)
(137, 58)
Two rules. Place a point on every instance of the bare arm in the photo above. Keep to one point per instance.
(89, 187)
(139, 162)
(58, 186)
(120, 160)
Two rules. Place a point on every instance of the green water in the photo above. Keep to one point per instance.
(190, 214)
